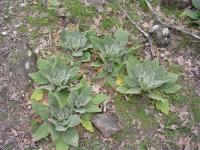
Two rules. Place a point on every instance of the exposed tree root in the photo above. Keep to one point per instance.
(176, 28)
(146, 35)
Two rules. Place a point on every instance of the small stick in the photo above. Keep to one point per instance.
(169, 26)
(152, 52)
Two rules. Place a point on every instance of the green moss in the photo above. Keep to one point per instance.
(1, 38)
(76, 9)
(172, 11)
(47, 17)
(130, 110)
(23, 29)
(35, 34)
(195, 108)
(170, 120)
(109, 22)
(143, 5)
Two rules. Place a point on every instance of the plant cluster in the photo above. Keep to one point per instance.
(151, 79)
(70, 99)
(69, 103)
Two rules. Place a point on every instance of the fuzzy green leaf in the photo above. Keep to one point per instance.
(62, 98)
(163, 106)
(40, 109)
(122, 89)
(91, 108)
(191, 14)
(87, 125)
(54, 134)
(61, 145)
(171, 88)
(38, 78)
(134, 90)
(74, 120)
(121, 37)
(99, 98)
(37, 95)
(71, 137)
(41, 132)
(196, 4)
(156, 96)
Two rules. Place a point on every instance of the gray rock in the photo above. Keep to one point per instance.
(160, 35)
(107, 124)
(180, 4)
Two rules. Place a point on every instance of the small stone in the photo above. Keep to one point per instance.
(4, 33)
(27, 65)
(107, 124)
(160, 35)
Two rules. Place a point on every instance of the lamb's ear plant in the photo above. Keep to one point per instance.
(54, 74)
(60, 121)
(112, 51)
(77, 44)
(152, 80)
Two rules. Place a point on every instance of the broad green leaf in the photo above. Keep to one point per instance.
(96, 64)
(121, 37)
(71, 137)
(62, 98)
(73, 72)
(74, 120)
(99, 98)
(171, 88)
(54, 134)
(130, 67)
(163, 106)
(40, 109)
(77, 54)
(93, 108)
(86, 57)
(156, 96)
(61, 145)
(37, 95)
(44, 113)
(122, 89)
(38, 78)
(43, 64)
(53, 3)
(131, 81)
(111, 81)
(196, 4)
(86, 116)
(102, 74)
(191, 14)
(87, 125)
(134, 90)
(41, 132)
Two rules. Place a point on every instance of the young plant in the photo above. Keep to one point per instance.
(151, 79)
(77, 43)
(194, 14)
(60, 121)
(112, 52)
(53, 74)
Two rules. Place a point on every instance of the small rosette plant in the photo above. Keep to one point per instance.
(60, 121)
(76, 43)
(112, 51)
(151, 79)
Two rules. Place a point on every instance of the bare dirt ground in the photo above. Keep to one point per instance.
(14, 49)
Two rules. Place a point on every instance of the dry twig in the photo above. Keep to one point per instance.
(194, 35)
(152, 52)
